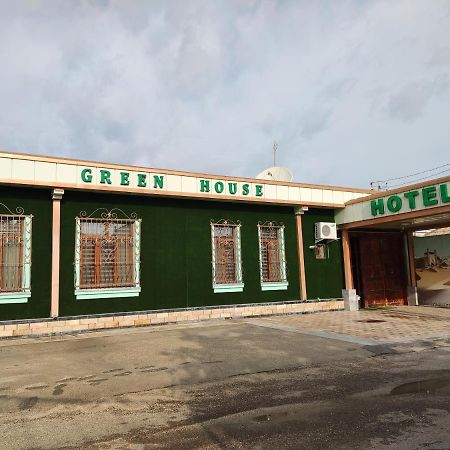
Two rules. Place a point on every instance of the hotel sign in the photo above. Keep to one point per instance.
(158, 182)
(415, 199)
(419, 199)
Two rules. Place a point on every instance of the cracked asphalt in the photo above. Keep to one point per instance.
(238, 384)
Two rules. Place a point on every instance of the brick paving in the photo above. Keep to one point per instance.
(398, 324)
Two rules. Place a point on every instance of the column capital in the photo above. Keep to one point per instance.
(57, 194)
(300, 210)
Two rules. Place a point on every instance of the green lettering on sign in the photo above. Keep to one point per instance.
(232, 187)
(141, 179)
(245, 189)
(105, 177)
(259, 190)
(411, 197)
(377, 207)
(86, 175)
(219, 187)
(124, 178)
(394, 203)
(429, 196)
(158, 181)
(444, 193)
(204, 185)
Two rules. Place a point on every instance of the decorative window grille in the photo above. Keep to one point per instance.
(107, 255)
(15, 256)
(226, 256)
(272, 259)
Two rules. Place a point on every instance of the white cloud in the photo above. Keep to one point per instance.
(352, 91)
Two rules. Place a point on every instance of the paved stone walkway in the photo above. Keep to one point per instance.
(398, 324)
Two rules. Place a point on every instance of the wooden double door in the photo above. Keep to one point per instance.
(379, 268)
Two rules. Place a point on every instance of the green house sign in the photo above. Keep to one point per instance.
(141, 179)
(158, 182)
(426, 197)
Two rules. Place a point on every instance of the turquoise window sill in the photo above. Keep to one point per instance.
(14, 297)
(92, 294)
(224, 288)
(276, 286)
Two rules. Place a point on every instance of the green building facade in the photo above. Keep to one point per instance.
(176, 259)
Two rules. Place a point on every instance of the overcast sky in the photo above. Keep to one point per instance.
(351, 90)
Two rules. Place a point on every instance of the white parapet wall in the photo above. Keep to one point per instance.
(30, 170)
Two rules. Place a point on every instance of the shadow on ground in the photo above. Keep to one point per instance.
(220, 385)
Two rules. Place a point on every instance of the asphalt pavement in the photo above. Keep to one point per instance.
(262, 384)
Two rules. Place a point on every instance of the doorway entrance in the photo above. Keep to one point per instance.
(380, 270)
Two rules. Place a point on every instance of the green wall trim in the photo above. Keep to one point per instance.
(239, 255)
(77, 252)
(282, 254)
(26, 271)
(275, 286)
(222, 288)
(88, 294)
(137, 252)
(15, 297)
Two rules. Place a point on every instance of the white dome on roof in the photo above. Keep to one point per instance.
(276, 174)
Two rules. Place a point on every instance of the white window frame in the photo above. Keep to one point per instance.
(238, 286)
(24, 293)
(274, 285)
(102, 293)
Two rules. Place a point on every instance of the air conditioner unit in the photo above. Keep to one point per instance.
(325, 231)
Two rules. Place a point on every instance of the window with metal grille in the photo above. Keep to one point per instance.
(272, 255)
(107, 254)
(15, 254)
(226, 257)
